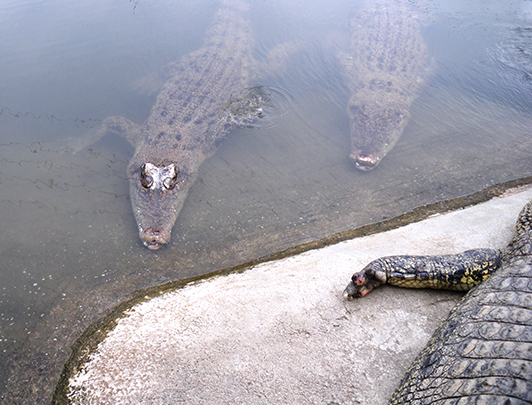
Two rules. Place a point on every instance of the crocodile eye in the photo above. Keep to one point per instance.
(145, 179)
(170, 182)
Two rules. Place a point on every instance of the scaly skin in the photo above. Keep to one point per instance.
(459, 272)
(482, 353)
(384, 72)
(193, 113)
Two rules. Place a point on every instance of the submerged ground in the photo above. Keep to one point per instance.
(69, 244)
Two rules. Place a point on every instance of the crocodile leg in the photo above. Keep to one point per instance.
(482, 353)
(118, 125)
(459, 272)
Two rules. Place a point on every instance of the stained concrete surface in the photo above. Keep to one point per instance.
(281, 333)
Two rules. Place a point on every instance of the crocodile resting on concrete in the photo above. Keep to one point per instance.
(194, 111)
(482, 352)
(384, 73)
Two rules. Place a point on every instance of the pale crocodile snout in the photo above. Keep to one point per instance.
(154, 238)
(364, 162)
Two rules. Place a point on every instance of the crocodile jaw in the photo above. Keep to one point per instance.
(154, 238)
(157, 193)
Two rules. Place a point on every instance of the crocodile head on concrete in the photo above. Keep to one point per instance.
(374, 131)
(157, 195)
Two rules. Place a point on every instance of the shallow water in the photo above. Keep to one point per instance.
(69, 244)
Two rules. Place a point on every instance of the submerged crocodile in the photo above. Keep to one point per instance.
(192, 114)
(482, 352)
(384, 73)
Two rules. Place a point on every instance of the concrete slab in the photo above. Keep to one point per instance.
(281, 332)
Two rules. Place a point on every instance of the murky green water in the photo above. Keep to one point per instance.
(69, 245)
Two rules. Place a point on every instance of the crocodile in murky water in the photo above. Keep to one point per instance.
(193, 112)
(384, 73)
(482, 352)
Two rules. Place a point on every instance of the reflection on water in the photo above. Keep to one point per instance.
(69, 243)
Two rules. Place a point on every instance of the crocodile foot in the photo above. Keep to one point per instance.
(363, 282)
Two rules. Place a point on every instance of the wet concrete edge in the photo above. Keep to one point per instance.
(88, 342)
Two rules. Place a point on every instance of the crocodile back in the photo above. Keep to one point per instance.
(189, 113)
(384, 72)
(482, 353)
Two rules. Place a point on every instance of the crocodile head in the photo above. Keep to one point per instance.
(374, 131)
(157, 195)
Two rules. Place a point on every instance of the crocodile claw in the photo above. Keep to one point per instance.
(363, 282)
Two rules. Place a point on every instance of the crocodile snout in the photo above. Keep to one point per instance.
(154, 238)
(364, 162)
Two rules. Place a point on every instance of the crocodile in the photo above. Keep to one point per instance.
(384, 72)
(195, 109)
(482, 352)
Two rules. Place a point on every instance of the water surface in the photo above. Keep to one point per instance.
(69, 244)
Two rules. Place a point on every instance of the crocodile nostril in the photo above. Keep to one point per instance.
(153, 237)
(364, 162)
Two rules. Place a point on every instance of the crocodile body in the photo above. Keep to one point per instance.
(482, 352)
(384, 73)
(191, 116)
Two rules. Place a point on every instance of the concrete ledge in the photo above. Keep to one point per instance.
(280, 332)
